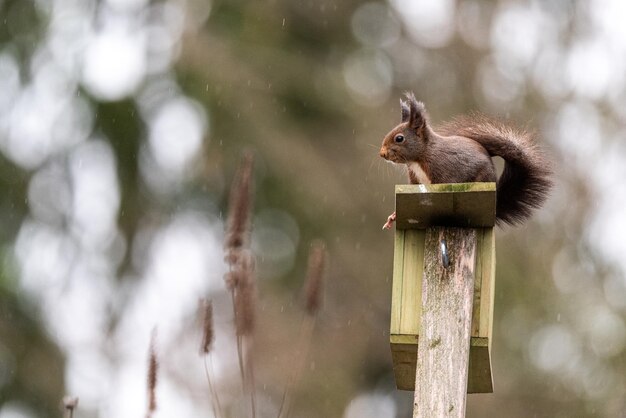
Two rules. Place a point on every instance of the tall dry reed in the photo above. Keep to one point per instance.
(153, 371)
(240, 279)
(208, 335)
(313, 289)
(70, 403)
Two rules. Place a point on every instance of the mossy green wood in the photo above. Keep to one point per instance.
(407, 284)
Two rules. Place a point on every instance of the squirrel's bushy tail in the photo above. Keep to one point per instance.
(525, 181)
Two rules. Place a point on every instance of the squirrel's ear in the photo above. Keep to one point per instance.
(417, 113)
(406, 111)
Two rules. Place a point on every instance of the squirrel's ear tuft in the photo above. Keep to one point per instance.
(417, 113)
(405, 111)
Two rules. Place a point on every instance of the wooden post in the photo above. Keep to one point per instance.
(446, 323)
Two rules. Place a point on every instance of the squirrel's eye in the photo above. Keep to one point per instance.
(399, 139)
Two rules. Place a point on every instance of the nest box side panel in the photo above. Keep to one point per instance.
(406, 306)
(488, 257)
(396, 285)
(480, 379)
(406, 294)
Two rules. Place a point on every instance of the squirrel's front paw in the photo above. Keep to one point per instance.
(390, 220)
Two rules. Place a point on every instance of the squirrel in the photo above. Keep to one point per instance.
(461, 150)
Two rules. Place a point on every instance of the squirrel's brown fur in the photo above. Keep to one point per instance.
(461, 150)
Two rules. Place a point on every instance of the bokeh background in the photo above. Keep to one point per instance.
(121, 125)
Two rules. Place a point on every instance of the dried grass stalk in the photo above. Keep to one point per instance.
(313, 290)
(315, 277)
(245, 295)
(239, 211)
(69, 404)
(244, 302)
(240, 279)
(153, 370)
(207, 326)
(208, 335)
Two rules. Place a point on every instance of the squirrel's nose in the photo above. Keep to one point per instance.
(383, 153)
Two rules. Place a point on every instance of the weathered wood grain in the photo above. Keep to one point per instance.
(447, 302)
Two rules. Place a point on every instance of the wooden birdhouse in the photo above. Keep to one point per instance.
(418, 207)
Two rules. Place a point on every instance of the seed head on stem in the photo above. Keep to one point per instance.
(315, 277)
(153, 370)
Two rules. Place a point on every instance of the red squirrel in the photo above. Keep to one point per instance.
(460, 152)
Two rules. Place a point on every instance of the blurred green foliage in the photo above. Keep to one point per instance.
(275, 77)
